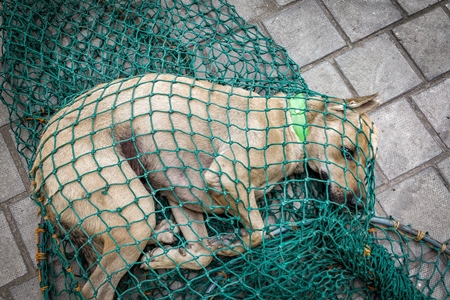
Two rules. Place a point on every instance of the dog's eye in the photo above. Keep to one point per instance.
(348, 153)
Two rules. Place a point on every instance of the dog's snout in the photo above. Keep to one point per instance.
(353, 202)
(323, 175)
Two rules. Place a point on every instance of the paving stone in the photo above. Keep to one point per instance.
(25, 216)
(360, 18)
(444, 167)
(12, 265)
(305, 32)
(379, 210)
(430, 273)
(325, 79)
(10, 182)
(24, 136)
(284, 2)
(421, 201)
(378, 66)
(394, 244)
(4, 115)
(27, 290)
(378, 179)
(251, 8)
(427, 40)
(404, 143)
(434, 103)
(413, 6)
(60, 282)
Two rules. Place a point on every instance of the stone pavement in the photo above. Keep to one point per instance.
(399, 48)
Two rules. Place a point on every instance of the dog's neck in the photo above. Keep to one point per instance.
(297, 108)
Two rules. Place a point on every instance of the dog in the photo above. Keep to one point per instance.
(202, 145)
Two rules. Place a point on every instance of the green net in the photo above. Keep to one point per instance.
(182, 186)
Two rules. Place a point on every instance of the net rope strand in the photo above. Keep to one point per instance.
(53, 51)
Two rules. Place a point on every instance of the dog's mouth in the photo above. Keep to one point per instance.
(320, 175)
(336, 193)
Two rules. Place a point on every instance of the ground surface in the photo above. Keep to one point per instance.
(400, 48)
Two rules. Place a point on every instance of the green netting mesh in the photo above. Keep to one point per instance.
(137, 142)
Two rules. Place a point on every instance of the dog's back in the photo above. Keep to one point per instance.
(161, 122)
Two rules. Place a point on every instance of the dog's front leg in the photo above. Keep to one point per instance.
(195, 255)
(250, 236)
(241, 202)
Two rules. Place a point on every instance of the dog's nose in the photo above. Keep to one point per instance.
(353, 203)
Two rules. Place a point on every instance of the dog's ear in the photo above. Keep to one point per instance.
(374, 141)
(361, 105)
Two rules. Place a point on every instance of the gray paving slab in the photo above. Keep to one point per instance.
(404, 142)
(27, 290)
(4, 119)
(10, 182)
(444, 167)
(4, 114)
(61, 284)
(25, 216)
(422, 201)
(284, 2)
(427, 40)
(305, 32)
(325, 79)
(24, 137)
(434, 103)
(378, 179)
(413, 6)
(379, 210)
(354, 19)
(12, 265)
(433, 271)
(378, 66)
(250, 9)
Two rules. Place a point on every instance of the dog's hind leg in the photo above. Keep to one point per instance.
(126, 216)
(111, 268)
(194, 255)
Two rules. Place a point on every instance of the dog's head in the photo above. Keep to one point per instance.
(341, 141)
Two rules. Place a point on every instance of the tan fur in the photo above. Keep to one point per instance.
(231, 143)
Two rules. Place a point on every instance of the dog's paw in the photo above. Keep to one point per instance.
(167, 238)
(153, 258)
(229, 241)
(218, 242)
(164, 233)
(166, 225)
(145, 261)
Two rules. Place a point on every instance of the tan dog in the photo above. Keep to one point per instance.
(200, 144)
